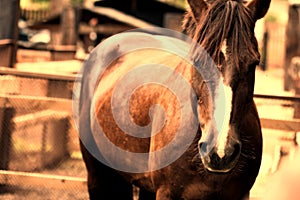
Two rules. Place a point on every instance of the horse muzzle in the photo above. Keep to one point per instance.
(219, 160)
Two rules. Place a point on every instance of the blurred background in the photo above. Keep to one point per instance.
(43, 44)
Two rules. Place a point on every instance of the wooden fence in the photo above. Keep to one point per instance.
(53, 117)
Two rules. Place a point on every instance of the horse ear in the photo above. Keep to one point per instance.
(197, 8)
(259, 8)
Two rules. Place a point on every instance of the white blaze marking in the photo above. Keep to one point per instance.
(223, 49)
(222, 112)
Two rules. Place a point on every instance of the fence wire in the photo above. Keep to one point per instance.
(38, 137)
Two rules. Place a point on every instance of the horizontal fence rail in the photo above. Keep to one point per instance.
(37, 75)
(277, 97)
(30, 179)
(280, 124)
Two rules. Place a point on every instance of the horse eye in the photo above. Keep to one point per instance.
(202, 125)
(200, 101)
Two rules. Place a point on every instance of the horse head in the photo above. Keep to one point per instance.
(225, 29)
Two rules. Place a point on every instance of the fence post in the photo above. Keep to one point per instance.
(297, 93)
(55, 137)
(69, 29)
(292, 48)
(296, 66)
(264, 63)
(9, 17)
(295, 76)
(6, 129)
(69, 26)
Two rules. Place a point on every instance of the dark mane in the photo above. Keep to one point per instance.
(225, 21)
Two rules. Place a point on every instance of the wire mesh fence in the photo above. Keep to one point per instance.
(40, 157)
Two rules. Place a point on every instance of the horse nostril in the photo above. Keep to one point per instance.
(203, 147)
(219, 158)
(236, 151)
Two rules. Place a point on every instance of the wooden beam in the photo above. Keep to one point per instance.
(39, 118)
(34, 102)
(41, 180)
(39, 75)
(6, 129)
(107, 29)
(285, 125)
(277, 97)
(6, 41)
(120, 16)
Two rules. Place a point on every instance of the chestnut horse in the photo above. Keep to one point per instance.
(224, 156)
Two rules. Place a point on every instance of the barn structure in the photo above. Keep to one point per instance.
(87, 23)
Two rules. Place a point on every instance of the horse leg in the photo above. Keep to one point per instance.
(163, 193)
(104, 182)
(146, 195)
